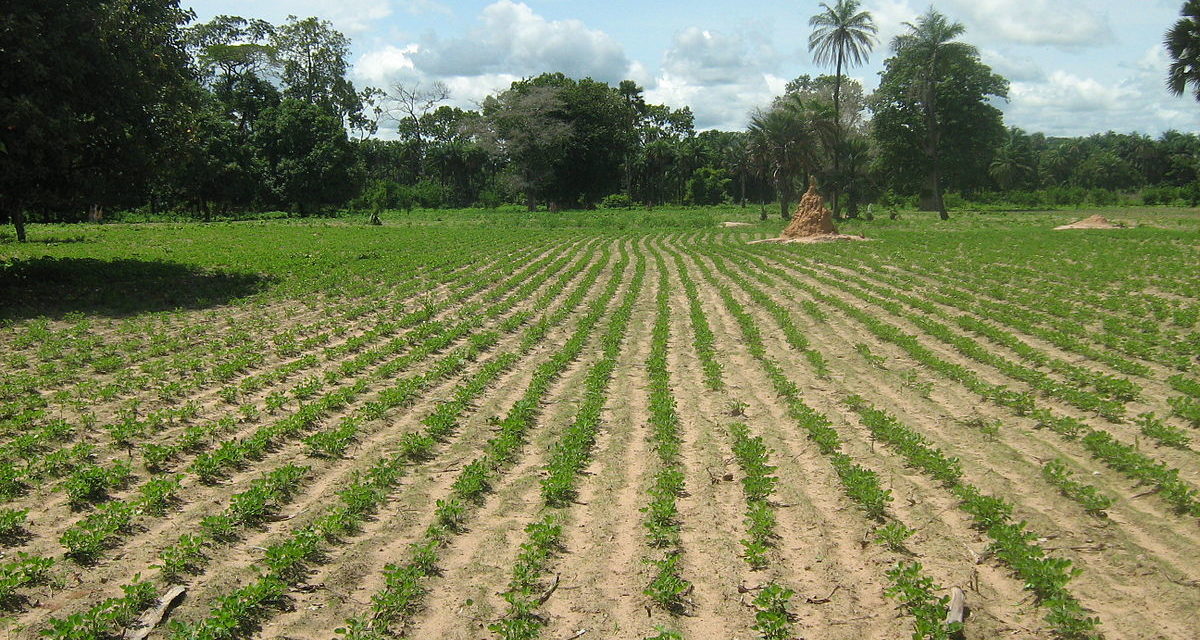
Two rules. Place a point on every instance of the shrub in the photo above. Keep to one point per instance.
(616, 201)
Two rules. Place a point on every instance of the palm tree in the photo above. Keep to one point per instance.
(1008, 168)
(789, 137)
(928, 43)
(1014, 162)
(1183, 45)
(843, 36)
(780, 138)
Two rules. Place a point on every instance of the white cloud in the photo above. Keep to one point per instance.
(721, 77)
(1060, 23)
(422, 7)
(510, 42)
(1063, 23)
(1016, 68)
(1071, 104)
(890, 16)
(469, 91)
(352, 17)
(382, 66)
(514, 39)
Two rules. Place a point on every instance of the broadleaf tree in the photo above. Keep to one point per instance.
(934, 102)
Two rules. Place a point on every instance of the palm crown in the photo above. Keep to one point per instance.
(841, 34)
(1183, 45)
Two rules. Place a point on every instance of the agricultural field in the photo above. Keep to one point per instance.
(610, 425)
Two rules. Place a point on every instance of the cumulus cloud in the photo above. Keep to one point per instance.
(1016, 68)
(509, 42)
(1060, 23)
(722, 77)
(1073, 104)
(386, 65)
(513, 39)
(890, 16)
(351, 17)
(1063, 23)
(421, 7)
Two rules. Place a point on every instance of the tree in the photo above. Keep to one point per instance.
(1183, 45)
(313, 58)
(602, 135)
(932, 103)
(524, 126)
(789, 138)
(843, 36)
(707, 186)
(411, 103)
(567, 139)
(90, 93)
(307, 154)
(1013, 164)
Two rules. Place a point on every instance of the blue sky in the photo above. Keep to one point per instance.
(1077, 67)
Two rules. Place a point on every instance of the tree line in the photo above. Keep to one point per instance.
(115, 105)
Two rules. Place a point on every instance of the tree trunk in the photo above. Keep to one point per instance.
(933, 135)
(837, 133)
(935, 172)
(18, 218)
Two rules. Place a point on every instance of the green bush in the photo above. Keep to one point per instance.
(616, 201)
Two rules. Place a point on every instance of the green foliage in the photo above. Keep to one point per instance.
(108, 619)
(63, 142)
(1153, 427)
(25, 571)
(185, 557)
(91, 483)
(893, 534)
(12, 524)
(707, 186)
(915, 592)
(931, 85)
(1056, 473)
(307, 155)
(772, 619)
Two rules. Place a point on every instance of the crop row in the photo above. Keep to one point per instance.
(1138, 337)
(1078, 397)
(861, 485)
(286, 561)
(1112, 387)
(567, 460)
(216, 363)
(405, 588)
(87, 539)
(772, 619)
(150, 337)
(33, 445)
(1099, 443)
(668, 588)
(1045, 576)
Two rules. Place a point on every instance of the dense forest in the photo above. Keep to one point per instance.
(111, 106)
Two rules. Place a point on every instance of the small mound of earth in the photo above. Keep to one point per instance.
(728, 225)
(811, 222)
(1091, 222)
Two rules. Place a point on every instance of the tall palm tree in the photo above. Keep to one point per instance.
(928, 43)
(1183, 45)
(842, 36)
